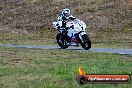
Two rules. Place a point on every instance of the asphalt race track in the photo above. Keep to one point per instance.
(106, 50)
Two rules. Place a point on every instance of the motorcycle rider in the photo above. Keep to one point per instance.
(64, 17)
(69, 29)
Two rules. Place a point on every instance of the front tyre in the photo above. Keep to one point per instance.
(86, 44)
(61, 41)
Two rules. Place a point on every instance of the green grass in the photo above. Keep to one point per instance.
(6, 37)
(112, 45)
(38, 68)
(112, 38)
(100, 39)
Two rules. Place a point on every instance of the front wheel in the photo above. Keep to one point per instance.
(86, 43)
(61, 41)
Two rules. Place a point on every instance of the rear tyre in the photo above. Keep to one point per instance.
(61, 41)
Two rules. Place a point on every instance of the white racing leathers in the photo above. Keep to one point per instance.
(60, 18)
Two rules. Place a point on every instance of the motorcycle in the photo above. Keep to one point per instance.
(73, 35)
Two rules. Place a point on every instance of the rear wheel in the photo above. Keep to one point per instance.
(61, 41)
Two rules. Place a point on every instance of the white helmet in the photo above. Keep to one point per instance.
(66, 12)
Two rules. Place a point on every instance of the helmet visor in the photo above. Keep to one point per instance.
(66, 13)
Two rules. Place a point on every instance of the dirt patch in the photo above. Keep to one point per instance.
(128, 2)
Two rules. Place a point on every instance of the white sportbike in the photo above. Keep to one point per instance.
(73, 35)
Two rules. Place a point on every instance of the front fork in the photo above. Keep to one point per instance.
(80, 36)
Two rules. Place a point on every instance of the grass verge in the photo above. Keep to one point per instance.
(38, 68)
(99, 39)
(6, 37)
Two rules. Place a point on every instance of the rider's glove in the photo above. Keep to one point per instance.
(64, 18)
(71, 18)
